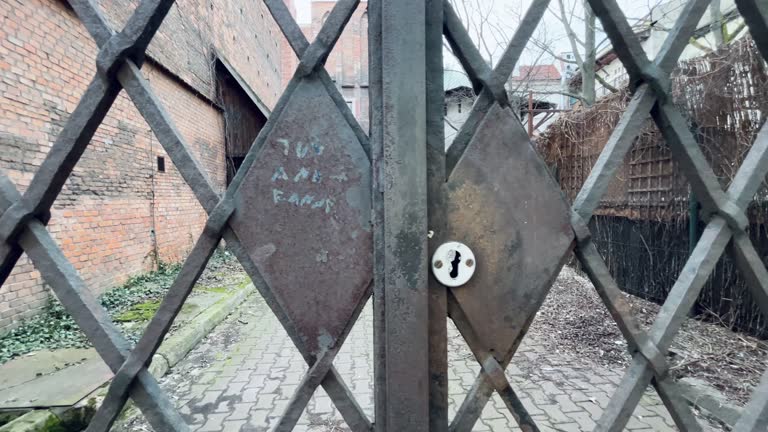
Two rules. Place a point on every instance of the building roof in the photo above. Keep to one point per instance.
(546, 72)
(453, 79)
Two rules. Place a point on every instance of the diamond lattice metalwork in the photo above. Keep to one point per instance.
(304, 191)
(22, 224)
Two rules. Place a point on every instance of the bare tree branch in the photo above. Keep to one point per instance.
(716, 25)
(605, 84)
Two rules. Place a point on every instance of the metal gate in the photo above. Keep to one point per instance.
(317, 200)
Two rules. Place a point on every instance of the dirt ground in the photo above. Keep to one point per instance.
(575, 320)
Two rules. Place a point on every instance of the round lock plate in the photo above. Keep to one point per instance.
(453, 264)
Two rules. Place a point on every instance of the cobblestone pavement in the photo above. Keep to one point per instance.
(243, 375)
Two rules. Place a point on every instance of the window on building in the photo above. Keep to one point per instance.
(459, 107)
(160, 164)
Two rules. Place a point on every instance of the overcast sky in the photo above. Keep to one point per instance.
(505, 15)
(303, 11)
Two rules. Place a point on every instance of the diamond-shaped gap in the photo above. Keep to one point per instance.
(103, 218)
(491, 26)
(244, 371)
(346, 64)
(722, 345)
(463, 370)
(175, 39)
(459, 95)
(574, 354)
(354, 361)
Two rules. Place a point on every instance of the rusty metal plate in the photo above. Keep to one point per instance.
(504, 204)
(303, 215)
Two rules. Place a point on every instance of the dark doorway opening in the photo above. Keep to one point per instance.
(244, 116)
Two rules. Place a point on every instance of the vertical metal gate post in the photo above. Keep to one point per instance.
(400, 165)
(436, 201)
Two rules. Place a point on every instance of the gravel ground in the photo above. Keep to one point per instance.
(574, 319)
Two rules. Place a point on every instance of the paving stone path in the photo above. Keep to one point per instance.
(243, 375)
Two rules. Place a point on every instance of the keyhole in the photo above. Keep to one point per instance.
(455, 264)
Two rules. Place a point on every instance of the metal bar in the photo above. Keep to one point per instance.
(172, 141)
(491, 372)
(754, 417)
(686, 151)
(319, 50)
(752, 171)
(94, 104)
(174, 144)
(506, 64)
(90, 112)
(90, 15)
(133, 40)
(609, 292)
(80, 126)
(158, 327)
(290, 28)
(747, 259)
(464, 48)
(299, 44)
(612, 155)
(503, 71)
(495, 373)
(90, 316)
(680, 34)
(306, 389)
(405, 227)
(530, 117)
(752, 269)
(676, 405)
(376, 115)
(538, 111)
(623, 38)
(755, 14)
(675, 309)
(436, 201)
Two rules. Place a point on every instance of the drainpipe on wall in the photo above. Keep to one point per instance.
(153, 227)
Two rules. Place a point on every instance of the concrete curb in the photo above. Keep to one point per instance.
(171, 352)
(175, 348)
(31, 421)
(707, 398)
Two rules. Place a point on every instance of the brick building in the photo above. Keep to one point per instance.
(348, 63)
(215, 65)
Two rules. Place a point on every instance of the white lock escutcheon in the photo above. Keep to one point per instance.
(453, 264)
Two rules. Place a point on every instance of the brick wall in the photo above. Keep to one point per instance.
(348, 62)
(117, 211)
